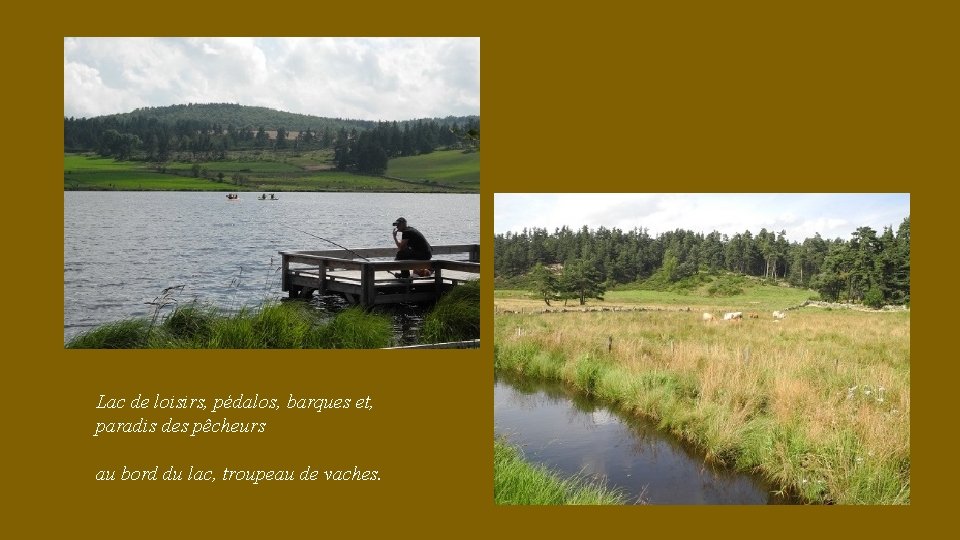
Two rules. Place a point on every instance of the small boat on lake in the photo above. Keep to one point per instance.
(233, 196)
(264, 197)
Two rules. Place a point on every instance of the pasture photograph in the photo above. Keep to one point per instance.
(702, 348)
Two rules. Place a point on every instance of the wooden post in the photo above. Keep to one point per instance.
(475, 254)
(285, 269)
(437, 279)
(368, 290)
(323, 276)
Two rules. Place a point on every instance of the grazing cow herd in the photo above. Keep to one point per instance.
(738, 316)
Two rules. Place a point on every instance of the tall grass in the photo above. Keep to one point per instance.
(455, 317)
(284, 325)
(517, 482)
(355, 329)
(819, 402)
(126, 334)
(288, 325)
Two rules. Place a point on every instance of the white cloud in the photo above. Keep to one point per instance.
(369, 78)
(801, 215)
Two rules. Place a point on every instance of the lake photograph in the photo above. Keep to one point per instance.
(240, 193)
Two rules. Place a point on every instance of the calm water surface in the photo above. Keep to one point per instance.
(572, 434)
(123, 249)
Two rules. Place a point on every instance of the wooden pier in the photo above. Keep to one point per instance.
(365, 281)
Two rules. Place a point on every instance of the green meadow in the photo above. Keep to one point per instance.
(450, 167)
(273, 171)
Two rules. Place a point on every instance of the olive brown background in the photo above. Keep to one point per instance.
(731, 97)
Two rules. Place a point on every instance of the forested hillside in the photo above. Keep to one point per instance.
(226, 114)
(207, 132)
(871, 268)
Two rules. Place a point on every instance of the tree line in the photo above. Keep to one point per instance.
(368, 151)
(172, 134)
(869, 268)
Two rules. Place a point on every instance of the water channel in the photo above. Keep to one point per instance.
(572, 434)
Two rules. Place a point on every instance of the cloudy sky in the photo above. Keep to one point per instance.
(801, 215)
(362, 79)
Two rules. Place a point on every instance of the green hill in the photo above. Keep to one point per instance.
(452, 168)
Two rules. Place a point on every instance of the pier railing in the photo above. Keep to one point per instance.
(367, 282)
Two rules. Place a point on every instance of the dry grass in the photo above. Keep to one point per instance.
(819, 401)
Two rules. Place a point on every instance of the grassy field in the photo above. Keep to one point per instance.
(819, 402)
(517, 482)
(257, 171)
(756, 298)
(449, 167)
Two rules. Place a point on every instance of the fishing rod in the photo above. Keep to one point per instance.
(336, 244)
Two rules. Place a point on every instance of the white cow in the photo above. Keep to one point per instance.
(708, 317)
(779, 315)
(734, 316)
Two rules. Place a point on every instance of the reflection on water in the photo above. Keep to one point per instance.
(571, 433)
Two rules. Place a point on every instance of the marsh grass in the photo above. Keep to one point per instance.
(516, 481)
(278, 325)
(287, 325)
(819, 402)
(455, 317)
(125, 334)
(353, 328)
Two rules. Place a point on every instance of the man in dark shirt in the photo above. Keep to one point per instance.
(411, 246)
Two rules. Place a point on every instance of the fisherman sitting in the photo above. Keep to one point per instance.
(411, 246)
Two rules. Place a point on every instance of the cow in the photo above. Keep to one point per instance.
(734, 316)
(779, 315)
(708, 317)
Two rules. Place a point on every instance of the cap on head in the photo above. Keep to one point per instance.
(399, 221)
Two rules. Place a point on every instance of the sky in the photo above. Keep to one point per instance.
(352, 78)
(802, 215)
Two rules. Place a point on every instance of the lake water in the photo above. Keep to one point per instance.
(572, 434)
(122, 249)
